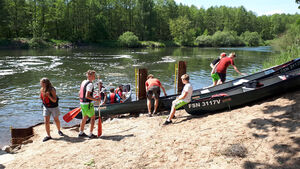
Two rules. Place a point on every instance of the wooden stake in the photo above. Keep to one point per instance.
(181, 71)
(143, 73)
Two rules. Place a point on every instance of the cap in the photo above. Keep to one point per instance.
(223, 54)
(100, 81)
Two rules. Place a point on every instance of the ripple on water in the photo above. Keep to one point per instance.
(166, 59)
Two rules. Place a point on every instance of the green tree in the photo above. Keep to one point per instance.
(145, 19)
(210, 21)
(3, 20)
(18, 18)
(181, 31)
(251, 38)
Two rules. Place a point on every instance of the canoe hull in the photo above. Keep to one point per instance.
(165, 102)
(243, 96)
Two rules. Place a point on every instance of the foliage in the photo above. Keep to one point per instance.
(181, 31)
(289, 45)
(152, 44)
(226, 39)
(98, 21)
(128, 39)
(251, 38)
(223, 39)
(285, 56)
(90, 163)
(204, 40)
(38, 43)
(290, 38)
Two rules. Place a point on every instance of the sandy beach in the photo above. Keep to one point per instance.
(263, 135)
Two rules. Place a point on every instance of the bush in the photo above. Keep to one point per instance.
(290, 38)
(224, 39)
(152, 44)
(204, 41)
(291, 53)
(219, 39)
(128, 39)
(38, 43)
(251, 38)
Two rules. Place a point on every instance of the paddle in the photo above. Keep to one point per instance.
(99, 123)
(71, 115)
(99, 120)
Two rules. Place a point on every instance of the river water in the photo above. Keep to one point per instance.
(21, 70)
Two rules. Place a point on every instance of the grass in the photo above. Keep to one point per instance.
(285, 56)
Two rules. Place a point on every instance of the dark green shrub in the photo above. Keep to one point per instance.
(204, 41)
(251, 38)
(128, 39)
(38, 43)
(223, 39)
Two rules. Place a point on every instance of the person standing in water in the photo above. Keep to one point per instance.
(50, 106)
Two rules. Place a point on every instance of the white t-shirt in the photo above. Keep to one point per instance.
(189, 89)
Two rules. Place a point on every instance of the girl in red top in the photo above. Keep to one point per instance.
(50, 106)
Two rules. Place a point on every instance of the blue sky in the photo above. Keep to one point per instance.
(260, 7)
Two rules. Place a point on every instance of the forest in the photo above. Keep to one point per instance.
(96, 21)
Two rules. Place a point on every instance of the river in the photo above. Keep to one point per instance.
(21, 70)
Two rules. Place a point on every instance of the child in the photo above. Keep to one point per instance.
(183, 99)
(50, 106)
(87, 107)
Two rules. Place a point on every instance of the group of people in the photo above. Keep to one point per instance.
(219, 67)
(86, 96)
(153, 86)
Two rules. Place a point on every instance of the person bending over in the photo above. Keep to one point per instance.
(153, 86)
(223, 65)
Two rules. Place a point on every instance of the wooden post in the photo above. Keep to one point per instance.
(143, 73)
(19, 135)
(181, 71)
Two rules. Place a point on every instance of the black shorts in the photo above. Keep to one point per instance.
(222, 76)
(153, 90)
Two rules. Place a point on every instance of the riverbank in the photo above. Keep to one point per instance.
(264, 135)
(39, 43)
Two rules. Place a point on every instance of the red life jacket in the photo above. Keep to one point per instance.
(47, 102)
(83, 92)
(112, 98)
(119, 91)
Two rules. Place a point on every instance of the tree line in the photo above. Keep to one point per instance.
(149, 20)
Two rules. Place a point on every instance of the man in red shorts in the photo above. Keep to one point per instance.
(223, 65)
(153, 86)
